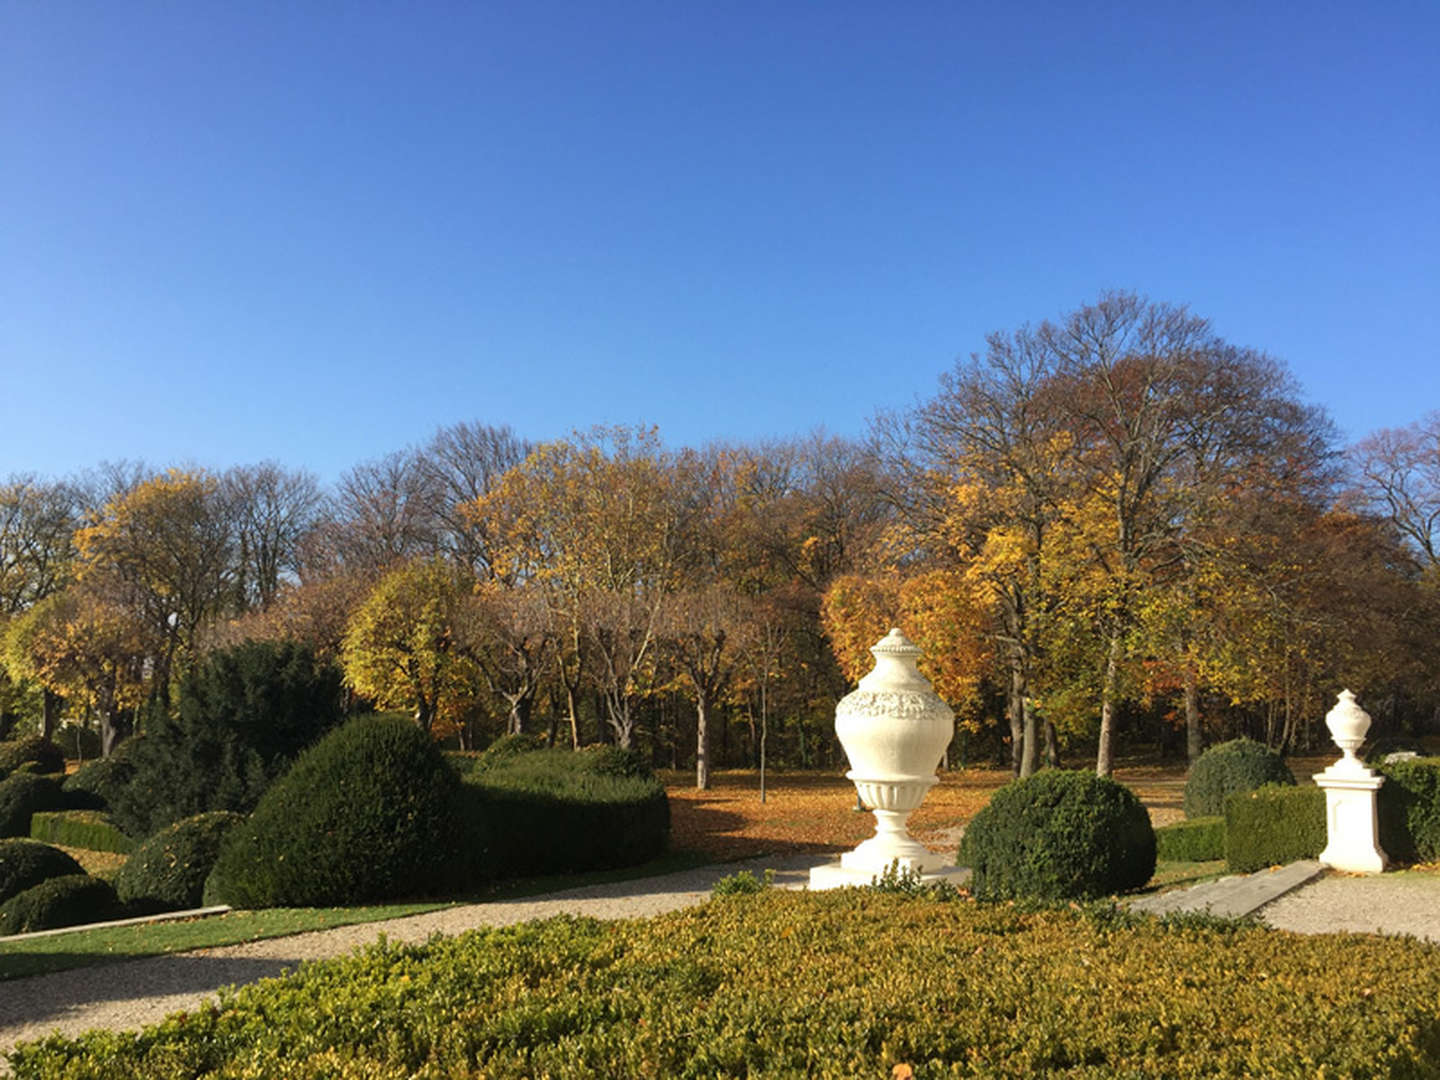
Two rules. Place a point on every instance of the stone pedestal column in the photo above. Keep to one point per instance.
(1352, 825)
(894, 729)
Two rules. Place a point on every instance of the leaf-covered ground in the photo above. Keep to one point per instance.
(815, 811)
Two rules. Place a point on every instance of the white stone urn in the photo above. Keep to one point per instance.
(1348, 723)
(894, 729)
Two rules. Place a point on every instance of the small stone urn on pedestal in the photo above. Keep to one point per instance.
(894, 729)
(1352, 827)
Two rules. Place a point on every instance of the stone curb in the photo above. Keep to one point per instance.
(1235, 896)
(164, 916)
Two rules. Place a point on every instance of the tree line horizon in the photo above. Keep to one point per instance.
(1113, 524)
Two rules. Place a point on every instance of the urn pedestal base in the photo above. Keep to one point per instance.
(837, 876)
(1352, 826)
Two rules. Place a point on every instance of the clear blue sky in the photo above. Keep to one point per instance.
(315, 232)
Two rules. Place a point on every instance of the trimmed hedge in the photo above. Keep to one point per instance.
(1059, 835)
(47, 757)
(72, 900)
(558, 811)
(21, 795)
(95, 785)
(366, 814)
(1228, 769)
(1196, 840)
(833, 985)
(87, 829)
(1409, 810)
(168, 871)
(1274, 825)
(26, 863)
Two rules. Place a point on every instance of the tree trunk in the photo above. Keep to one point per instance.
(1193, 742)
(702, 741)
(1015, 710)
(1052, 746)
(424, 714)
(1029, 757)
(1105, 755)
(49, 714)
(571, 708)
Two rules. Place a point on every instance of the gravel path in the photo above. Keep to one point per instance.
(137, 992)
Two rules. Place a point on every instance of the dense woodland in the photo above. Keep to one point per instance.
(1110, 530)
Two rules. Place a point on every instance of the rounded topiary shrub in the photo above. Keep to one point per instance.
(72, 900)
(26, 863)
(21, 795)
(365, 814)
(95, 785)
(1231, 768)
(168, 871)
(47, 757)
(1059, 835)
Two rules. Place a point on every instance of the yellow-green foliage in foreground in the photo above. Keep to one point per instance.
(847, 984)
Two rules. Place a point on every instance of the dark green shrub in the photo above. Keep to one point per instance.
(244, 713)
(168, 871)
(1409, 810)
(78, 743)
(607, 760)
(72, 900)
(508, 746)
(1059, 835)
(47, 757)
(1228, 769)
(95, 785)
(557, 811)
(365, 814)
(743, 883)
(1197, 840)
(21, 795)
(87, 829)
(1273, 825)
(26, 863)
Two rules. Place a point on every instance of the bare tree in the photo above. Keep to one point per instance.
(1399, 475)
(273, 510)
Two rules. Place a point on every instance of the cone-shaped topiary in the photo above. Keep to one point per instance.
(168, 871)
(1059, 835)
(365, 814)
(26, 863)
(1231, 768)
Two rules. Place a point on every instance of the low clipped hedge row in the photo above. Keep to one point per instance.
(1273, 825)
(1197, 840)
(88, 829)
(1409, 810)
(778, 984)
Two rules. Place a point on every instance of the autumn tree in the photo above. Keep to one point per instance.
(163, 551)
(1398, 471)
(87, 650)
(402, 648)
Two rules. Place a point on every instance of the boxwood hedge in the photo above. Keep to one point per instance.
(42, 753)
(1273, 825)
(1409, 810)
(367, 813)
(1228, 769)
(168, 871)
(71, 900)
(21, 795)
(88, 829)
(1059, 835)
(1197, 840)
(841, 984)
(26, 863)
